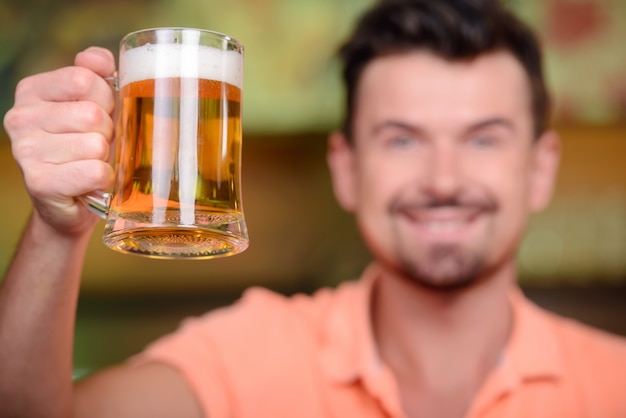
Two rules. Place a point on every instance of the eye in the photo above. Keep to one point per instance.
(483, 141)
(402, 141)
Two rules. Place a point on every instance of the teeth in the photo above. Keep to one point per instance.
(443, 226)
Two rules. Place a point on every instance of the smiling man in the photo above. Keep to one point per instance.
(444, 166)
(443, 156)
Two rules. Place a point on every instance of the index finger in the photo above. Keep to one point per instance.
(64, 85)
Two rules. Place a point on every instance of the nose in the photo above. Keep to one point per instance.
(444, 172)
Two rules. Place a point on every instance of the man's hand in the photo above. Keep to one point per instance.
(61, 130)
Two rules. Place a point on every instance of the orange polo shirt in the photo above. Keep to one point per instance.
(314, 356)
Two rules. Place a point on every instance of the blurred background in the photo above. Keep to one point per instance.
(573, 260)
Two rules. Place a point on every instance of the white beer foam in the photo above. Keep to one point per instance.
(180, 60)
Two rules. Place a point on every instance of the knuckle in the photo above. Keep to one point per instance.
(82, 80)
(17, 119)
(24, 86)
(24, 149)
(82, 116)
(37, 181)
(97, 147)
(100, 174)
(12, 120)
(104, 147)
(92, 114)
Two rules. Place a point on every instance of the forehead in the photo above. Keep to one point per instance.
(423, 88)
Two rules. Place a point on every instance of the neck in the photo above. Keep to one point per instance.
(441, 341)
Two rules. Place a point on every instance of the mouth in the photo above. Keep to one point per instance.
(443, 223)
(443, 226)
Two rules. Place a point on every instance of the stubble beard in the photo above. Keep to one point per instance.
(443, 267)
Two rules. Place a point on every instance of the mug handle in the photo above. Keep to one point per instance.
(98, 201)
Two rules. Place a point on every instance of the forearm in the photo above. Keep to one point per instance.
(37, 313)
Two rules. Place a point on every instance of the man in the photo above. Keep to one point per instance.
(443, 156)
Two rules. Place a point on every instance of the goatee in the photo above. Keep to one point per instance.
(447, 268)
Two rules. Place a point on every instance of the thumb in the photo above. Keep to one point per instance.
(99, 60)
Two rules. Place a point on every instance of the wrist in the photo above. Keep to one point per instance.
(78, 233)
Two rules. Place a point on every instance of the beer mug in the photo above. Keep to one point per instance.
(177, 190)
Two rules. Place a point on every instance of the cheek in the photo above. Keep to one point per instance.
(511, 191)
(507, 180)
(378, 181)
(507, 176)
(376, 188)
(372, 195)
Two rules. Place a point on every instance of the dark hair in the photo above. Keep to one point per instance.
(452, 29)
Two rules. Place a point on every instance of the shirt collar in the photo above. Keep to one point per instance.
(347, 346)
(533, 350)
(531, 355)
(348, 350)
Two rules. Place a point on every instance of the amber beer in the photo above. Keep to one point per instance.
(177, 191)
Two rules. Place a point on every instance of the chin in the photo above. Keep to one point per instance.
(444, 269)
(444, 284)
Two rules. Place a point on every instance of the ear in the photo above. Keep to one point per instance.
(340, 159)
(544, 170)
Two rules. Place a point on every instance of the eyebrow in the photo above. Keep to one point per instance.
(482, 124)
(396, 124)
(497, 121)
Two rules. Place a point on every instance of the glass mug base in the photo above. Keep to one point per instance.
(173, 240)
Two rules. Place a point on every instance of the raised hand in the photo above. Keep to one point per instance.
(61, 130)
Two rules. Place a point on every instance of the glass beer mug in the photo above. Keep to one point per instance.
(178, 135)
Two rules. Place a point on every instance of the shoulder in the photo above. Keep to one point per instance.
(266, 305)
(259, 308)
(590, 364)
(265, 343)
(576, 341)
(260, 318)
(580, 340)
(270, 322)
(594, 363)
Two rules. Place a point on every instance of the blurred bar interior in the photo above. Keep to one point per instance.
(573, 260)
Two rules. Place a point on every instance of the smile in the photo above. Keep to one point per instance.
(449, 223)
(443, 226)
